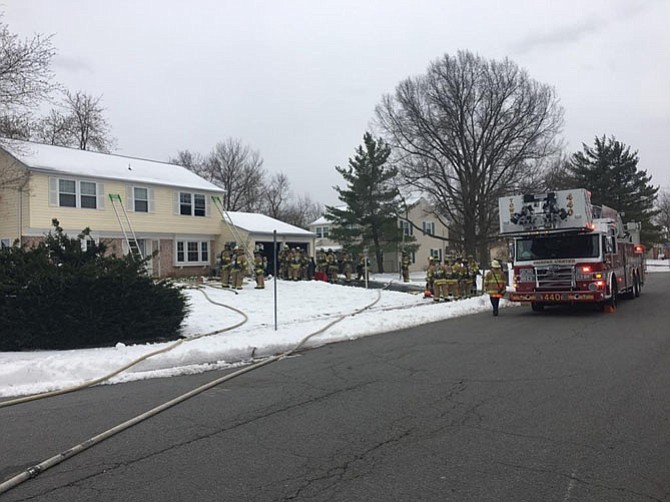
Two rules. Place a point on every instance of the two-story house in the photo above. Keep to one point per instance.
(169, 208)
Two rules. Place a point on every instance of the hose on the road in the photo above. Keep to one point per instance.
(35, 470)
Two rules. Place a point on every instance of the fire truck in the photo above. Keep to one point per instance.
(568, 251)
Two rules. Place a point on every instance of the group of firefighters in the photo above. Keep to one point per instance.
(451, 279)
(456, 278)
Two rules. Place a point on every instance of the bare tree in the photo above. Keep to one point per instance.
(465, 133)
(275, 195)
(89, 125)
(26, 78)
(190, 160)
(237, 169)
(55, 128)
(301, 211)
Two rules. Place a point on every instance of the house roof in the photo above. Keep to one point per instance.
(261, 224)
(70, 161)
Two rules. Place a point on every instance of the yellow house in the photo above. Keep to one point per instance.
(123, 200)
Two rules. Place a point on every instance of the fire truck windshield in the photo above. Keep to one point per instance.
(557, 246)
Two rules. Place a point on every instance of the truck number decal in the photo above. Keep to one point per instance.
(552, 297)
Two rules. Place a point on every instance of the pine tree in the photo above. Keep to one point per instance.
(609, 171)
(371, 202)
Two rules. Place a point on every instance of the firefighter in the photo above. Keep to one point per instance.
(321, 266)
(495, 285)
(239, 267)
(362, 268)
(259, 271)
(226, 259)
(430, 273)
(333, 267)
(440, 281)
(295, 262)
(451, 275)
(404, 265)
(463, 278)
(473, 269)
(347, 266)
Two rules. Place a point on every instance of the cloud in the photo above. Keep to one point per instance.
(561, 36)
(70, 64)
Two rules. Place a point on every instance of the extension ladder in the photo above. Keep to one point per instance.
(126, 228)
(233, 229)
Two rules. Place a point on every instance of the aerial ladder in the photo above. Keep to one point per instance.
(218, 203)
(126, 227)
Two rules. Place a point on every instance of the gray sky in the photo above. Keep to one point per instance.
(298, 80)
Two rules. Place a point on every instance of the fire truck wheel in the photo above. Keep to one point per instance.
(615, 293)
(537, 307)
(637, 286)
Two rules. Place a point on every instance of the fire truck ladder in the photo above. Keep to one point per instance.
(124, 223)
(233, 229)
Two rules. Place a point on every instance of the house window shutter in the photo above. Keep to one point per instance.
(206, 206)
(53, 191)
(130, 198)
(152, 205)
(100, 191)
(175, 202)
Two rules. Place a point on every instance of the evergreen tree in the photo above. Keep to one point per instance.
(609, 171)
(371, 202)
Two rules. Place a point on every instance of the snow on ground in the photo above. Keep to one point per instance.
(303, 308)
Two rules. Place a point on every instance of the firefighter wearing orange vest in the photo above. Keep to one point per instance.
(495, 285)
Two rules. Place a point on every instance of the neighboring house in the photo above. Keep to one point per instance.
(427, 237)
(169, 207)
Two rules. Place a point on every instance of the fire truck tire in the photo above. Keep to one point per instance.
(615, 293)
(537, 307)
(637, 286)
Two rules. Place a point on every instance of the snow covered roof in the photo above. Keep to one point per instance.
(71, 161)
(262, 224)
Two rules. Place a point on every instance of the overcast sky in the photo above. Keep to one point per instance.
(298, 80)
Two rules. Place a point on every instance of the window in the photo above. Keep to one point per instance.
(322, 232)
(141, 199)
(429, 228)
(436, 254)
(67, 193)
(74, 193)
(192, 252)
(192, 204)
(406, 227)
(5, 243)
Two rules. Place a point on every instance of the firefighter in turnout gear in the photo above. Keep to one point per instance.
(259, 271)
(495, 284)
(440, 281)
(451, 274)
(347, 266)
(430, 273)
(226, 260)
(404, 265)
(239, 268)
(473, 270)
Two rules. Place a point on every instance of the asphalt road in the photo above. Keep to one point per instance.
(555, 406)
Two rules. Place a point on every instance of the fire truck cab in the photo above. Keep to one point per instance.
(566, 251)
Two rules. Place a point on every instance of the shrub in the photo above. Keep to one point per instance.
(65, 293)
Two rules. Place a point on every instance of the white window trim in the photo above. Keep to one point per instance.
(186, 262)
(429, 227)
(177, 203)
(54, 192)
(130, 198)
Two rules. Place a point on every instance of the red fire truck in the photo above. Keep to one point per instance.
(567, 251)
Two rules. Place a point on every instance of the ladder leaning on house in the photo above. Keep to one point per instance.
(126, 227)
(233, 229)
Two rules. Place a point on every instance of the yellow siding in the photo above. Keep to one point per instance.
(104, 220)
(9, 215)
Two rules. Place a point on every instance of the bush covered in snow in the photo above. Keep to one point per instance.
(66, 293)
